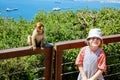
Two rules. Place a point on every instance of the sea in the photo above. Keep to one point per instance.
(27, 9)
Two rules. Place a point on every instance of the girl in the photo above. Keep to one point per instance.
(91, 60)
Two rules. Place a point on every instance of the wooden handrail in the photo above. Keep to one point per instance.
(22, 51)
(61, 46)
(81, 42)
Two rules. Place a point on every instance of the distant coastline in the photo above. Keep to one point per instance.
(109, 1)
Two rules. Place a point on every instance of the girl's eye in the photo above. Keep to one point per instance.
(95, 38)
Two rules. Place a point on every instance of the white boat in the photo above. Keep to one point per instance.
(11, 9)
(56, 9)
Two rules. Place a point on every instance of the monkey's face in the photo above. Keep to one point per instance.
(40, 28)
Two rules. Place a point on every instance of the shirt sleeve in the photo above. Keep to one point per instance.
(102, 61)
(79, 59)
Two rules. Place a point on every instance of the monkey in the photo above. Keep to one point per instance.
(37, 39)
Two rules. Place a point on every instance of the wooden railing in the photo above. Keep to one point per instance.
(25, 51)
(48, 51)
(61, 46)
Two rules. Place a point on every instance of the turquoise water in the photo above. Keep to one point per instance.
(28, 8)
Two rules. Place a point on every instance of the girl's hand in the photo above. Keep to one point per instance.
(90, 79)
(84, 78)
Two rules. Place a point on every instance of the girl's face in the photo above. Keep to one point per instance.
(94, 42)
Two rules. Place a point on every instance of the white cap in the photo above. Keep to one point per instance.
(96, 32)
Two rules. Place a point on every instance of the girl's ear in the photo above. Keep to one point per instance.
(87, 42)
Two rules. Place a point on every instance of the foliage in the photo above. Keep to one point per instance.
(59, 26)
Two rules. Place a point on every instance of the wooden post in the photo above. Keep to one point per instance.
(48, 62)
(58, 64)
